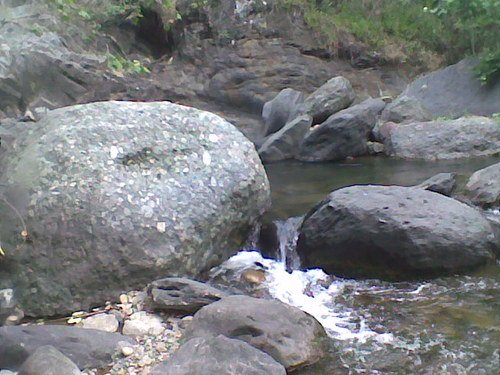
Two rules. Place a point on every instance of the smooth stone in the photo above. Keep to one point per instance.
(47, 360)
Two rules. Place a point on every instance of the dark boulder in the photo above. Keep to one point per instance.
(442, 183)
(445, 139)
(282, 109)
(484, 186)
(455, 91)
(342, 134)
(115, 194)
(395, 233)
(87, 348)
(289, 335)
(285, 143)
(47, 360)
(335, 95)
(219, 355)
(182, 295)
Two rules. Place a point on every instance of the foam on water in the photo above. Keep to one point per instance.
(309, 291)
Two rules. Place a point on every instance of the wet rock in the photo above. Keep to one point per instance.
(141, 323)
(87, 348)
(455, 91)
(445, 139)
(484, 186)
(47, 360)
(134, 191)
(342, 134)
(333, 96)
(394, 233)
(290, 336)
(284, 144)
(182, 295)
(405, 109)
(442, 183)
(282, 109)
(101, 322)
(219, 355)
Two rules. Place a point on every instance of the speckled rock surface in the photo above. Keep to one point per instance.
(117, 194)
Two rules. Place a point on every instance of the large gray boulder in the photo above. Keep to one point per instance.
(484, 186)
(219, 355)
(281, 109)
(285, 143)
(445, 139)
(395, 233)
(335, 95)
(454, 91)
(87, 348)
(115, 194)
(47, 360)
(289, 335)
(342, 134)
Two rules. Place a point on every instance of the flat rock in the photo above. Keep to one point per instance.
(87, 348)
(395, 233)
(219, 355)
(182, 295)
(47, 360)
(134, 191)
(484, 186)
(445, 139)
(289, 335)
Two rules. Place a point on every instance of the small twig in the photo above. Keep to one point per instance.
(24, 233)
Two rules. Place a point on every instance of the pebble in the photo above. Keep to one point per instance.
(141, 323)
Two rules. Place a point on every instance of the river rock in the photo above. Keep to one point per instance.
(141, 323)
(484, 186)
(282, 109)
(342, 134)
(102, 322)
(394, 233)
(133, 191)
(284, 144)
(87, 348)
(182, 295)
(333, 96)
(455, 91)
(219, 355)
(47, 360)
(445, 139)
(286, 333)
(442, 183)
(405, 109)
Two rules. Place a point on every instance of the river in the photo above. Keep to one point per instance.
(443, 326)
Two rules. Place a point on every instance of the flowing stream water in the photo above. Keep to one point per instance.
(443, 326)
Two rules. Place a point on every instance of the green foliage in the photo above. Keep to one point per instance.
(121, 65)
(475, 29)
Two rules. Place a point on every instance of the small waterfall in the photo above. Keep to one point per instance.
(287, 232)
